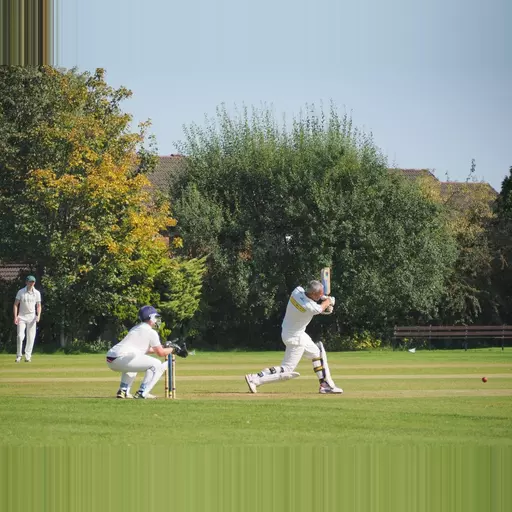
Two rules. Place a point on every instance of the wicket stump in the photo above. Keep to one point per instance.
(170, 377)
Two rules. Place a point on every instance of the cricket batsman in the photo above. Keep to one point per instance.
(302, 307)
(131, 355)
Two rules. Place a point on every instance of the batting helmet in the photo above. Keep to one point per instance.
(148, 313)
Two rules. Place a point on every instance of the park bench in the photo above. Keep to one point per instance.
(462, 332)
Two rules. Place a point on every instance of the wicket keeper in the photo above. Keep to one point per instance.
(131, 355)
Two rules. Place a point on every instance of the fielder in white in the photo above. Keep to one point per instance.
(27, 313)
(302, 307)
(131, 355)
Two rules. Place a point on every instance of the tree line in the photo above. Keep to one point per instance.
(272, 203)
(260, 207)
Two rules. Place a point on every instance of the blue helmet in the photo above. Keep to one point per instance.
(148, 313)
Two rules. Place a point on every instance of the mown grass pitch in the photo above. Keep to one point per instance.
(391, 398)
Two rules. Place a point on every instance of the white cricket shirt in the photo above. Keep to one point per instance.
(28, 301)
(137, 341)
(299, 312)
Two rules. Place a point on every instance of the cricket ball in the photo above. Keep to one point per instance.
(484, 379)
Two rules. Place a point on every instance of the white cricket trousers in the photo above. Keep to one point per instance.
(295, 349)
(130, 364)
(26, 325)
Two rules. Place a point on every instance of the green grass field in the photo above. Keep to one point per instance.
(413, 432)
(391, 398)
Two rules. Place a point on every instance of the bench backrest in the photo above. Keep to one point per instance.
(504, 331)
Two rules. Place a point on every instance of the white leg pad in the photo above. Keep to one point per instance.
(321, 367)
(153, 375)
(275, 377)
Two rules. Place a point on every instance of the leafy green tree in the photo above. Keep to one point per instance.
(504, 202)
(76, 204)
(502, 243)
(271, 205)
(469, 210)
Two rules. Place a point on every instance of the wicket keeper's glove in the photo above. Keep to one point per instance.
(179, 350)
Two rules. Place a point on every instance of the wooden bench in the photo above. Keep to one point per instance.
(463, 332)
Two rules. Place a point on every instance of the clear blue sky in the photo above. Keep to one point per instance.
(431, 79)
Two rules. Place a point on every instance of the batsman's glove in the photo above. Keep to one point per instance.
(324, 297)
(179, 350)
(328, 310)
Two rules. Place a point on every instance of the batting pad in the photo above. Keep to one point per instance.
(278, 376)
(320, 366)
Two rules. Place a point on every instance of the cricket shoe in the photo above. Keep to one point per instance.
(18, 359)
(325, 389)
(140, 396)
(124, 394)
(250, 378)
(27, 360)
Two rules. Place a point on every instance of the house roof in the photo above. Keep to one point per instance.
(166, 170)
(463, 194)
(461, 186)
(416, 173)
(447, 187)
(11, 271)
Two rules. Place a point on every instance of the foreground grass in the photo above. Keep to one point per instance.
(412, 433)
(395, 399)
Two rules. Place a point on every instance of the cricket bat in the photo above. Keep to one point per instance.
(325, 278)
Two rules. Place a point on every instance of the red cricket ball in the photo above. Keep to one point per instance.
(484, 379)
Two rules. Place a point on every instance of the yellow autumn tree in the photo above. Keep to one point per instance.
(79, 207)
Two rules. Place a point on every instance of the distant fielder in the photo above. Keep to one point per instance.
(302, 307)
(131, 355)
(27, 313)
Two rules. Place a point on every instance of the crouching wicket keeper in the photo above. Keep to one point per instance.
(131, 355)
